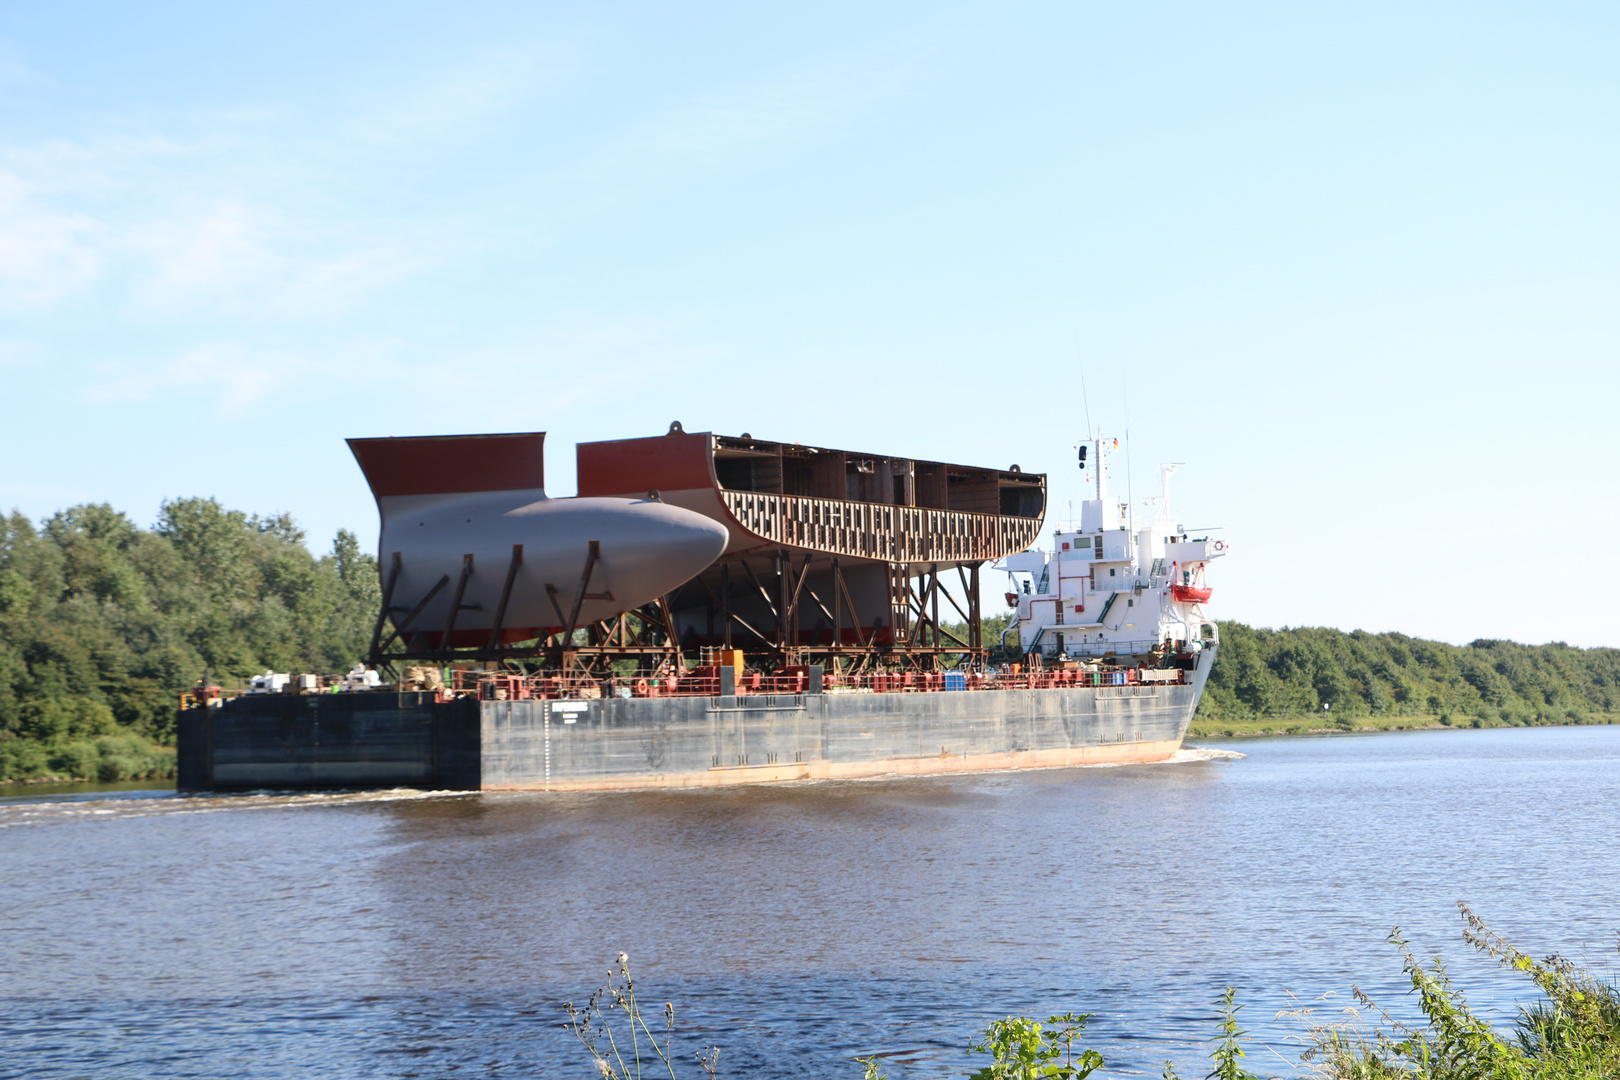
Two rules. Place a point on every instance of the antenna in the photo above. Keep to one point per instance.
(1081, 364)
(1130, 497)
(1130, 500)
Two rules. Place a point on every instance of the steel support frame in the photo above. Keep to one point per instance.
(613, 639)
(919, 639)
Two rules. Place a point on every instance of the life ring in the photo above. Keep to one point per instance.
(641, 688)
(1220, 545)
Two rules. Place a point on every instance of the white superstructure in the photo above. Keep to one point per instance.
(1114, 585)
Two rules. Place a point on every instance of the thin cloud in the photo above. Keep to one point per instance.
(207, 257)
(326, 285)
(748, 116)
(235, 257)
(737, 127)
(462, 98)
(231, 375)
(256, 212)
(46, 255)
(12, 67)
(228, 215)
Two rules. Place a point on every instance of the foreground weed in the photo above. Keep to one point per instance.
(1574, 1034)
(873, 1071)
(611, 1024)
(1022, 1049)
(1228, 1050)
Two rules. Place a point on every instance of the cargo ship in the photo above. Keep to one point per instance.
(713, 610)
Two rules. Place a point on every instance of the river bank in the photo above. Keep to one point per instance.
(48, 788)
(1300, 725)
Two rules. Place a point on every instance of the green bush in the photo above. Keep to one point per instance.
(77, 760)
(108, 759)
(20, 760)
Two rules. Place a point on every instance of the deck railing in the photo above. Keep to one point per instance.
(701, 682)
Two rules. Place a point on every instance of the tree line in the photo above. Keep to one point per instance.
(1261, 674)
(103, 624)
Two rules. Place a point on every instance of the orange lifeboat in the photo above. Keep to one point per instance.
(1187, 594)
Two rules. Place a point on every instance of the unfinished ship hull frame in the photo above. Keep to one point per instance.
(782, 592)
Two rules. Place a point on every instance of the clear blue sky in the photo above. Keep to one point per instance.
(1357, 265)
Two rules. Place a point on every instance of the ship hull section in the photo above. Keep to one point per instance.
(644, 549)
(720, 742)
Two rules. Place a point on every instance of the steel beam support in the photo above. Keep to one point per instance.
(854, 616)
(455, 604)
(793, 600)
(821, 605)
(382, 612)
(933, 585)
(744, 623)
(775, 610)
(900, 602)
(952, 600)
(579, 597)
(725, 602)
(783, 633)
(672, 642)
(552, 594)
(506, 594)
(970, 588)
(400, 627)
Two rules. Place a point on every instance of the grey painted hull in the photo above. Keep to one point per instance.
(409, 740)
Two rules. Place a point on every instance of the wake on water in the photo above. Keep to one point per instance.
(139, 804)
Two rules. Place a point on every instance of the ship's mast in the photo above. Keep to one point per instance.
(1095, 515)
(1097, 448)
(1162, 521)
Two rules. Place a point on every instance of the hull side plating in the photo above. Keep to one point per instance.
(387, 739)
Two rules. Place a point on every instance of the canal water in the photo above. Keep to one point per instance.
(409, 934)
